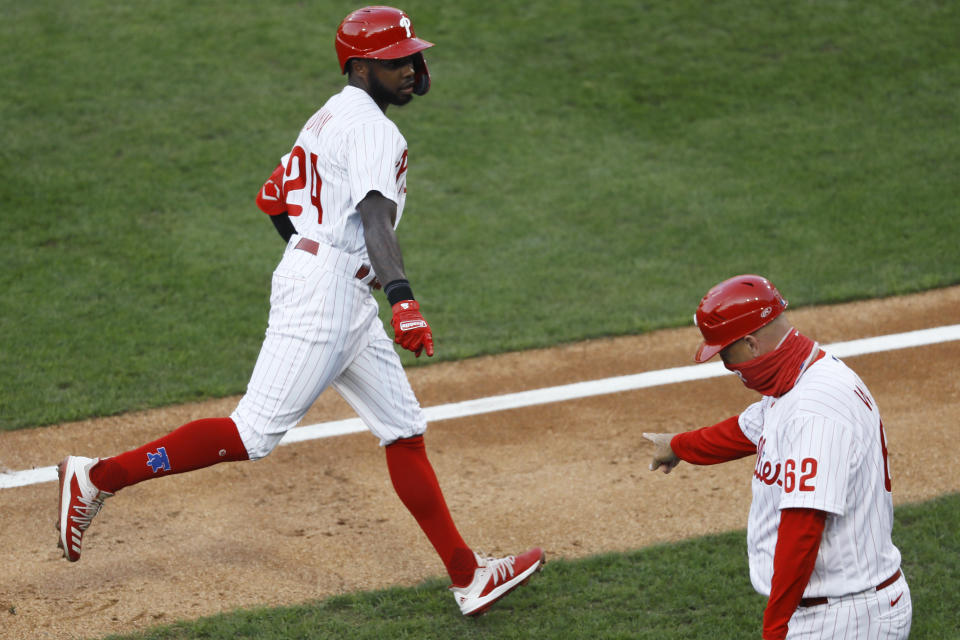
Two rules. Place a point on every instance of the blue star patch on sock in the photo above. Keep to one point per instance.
(158, 461)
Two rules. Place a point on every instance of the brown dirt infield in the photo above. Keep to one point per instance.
(319, 518)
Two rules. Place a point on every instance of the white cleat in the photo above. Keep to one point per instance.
(80, 501)
(496, 577)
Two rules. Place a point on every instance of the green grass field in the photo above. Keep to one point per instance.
(579, 169)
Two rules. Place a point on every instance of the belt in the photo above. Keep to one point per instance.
(813, 602)
(312, 246)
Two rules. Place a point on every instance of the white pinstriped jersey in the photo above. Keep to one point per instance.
(345, 150)
(822, 446)
(323, 329)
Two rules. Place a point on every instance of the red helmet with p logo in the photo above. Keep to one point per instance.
(733, 309)
(382, 33)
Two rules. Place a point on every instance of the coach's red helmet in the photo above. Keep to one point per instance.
(733, 309)
(382, 33)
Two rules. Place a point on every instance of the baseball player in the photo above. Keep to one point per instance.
(336, 198)
(818, 534)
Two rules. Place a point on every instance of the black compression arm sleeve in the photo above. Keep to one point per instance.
(284, 227)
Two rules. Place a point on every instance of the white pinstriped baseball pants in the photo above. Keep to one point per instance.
(871, 615)
(324, 331)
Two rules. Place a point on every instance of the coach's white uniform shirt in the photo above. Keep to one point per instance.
(822, 446)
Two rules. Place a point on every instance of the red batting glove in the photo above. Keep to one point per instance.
(270, 198)
(411, 331)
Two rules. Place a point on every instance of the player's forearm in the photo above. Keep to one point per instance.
(283, 225)
(798, 541)
(383, 248)
(721, 442)
(384, 251)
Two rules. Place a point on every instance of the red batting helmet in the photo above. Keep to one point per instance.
(382, 33)
(733, 309)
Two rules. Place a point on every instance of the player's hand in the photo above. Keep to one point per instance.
(663, 456)
(410, 330)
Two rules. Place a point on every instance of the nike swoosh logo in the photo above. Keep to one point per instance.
(896, 600)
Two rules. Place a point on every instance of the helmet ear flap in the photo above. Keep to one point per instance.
(421, 79)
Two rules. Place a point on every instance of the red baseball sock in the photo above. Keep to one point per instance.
(416, 484)
(195, 445)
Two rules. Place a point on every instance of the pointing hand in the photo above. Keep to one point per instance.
(663, 455)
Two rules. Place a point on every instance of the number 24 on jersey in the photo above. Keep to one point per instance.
(295, 179)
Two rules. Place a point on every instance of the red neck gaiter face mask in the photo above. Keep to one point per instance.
(775, 373)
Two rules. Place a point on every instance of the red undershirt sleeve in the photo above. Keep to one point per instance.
(270, 197)
(798, 541)
(721, 442)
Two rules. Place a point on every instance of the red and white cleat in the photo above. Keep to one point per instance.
(80, 501)
(495, 578)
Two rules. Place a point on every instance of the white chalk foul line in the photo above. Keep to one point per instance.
(560, 393)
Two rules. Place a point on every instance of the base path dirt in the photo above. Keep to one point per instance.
(319, 518)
